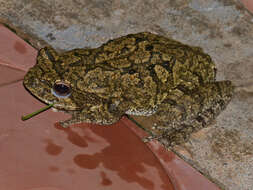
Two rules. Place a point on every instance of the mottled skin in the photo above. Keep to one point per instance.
(137, 74)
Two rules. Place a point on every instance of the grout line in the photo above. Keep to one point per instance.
(11, 82)
(6, 64)
(18, 32)
(138, 125)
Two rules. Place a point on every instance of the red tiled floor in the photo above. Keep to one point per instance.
(39, 155)
(248, 4)
(7, 77)
(182, 175)
(14, 51)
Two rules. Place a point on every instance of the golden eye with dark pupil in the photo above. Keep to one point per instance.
(61, 90)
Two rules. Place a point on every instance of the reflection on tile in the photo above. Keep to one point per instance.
(182, 175)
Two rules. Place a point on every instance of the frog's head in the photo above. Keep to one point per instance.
(47, 81)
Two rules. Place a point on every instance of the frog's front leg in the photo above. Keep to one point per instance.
(75, 119)
(185, 111)
(96, 114)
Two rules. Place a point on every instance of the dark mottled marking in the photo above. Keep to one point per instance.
(49, 55)
(131, 71)
(138, 40)
(151, 67)
(149, 47)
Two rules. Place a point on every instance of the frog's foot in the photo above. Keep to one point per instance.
(150, 138)
(173, 137)
(177, 137)
(67, 123)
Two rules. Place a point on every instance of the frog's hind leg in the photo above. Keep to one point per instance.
(185, 111)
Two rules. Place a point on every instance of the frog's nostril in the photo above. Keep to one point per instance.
(61, 89)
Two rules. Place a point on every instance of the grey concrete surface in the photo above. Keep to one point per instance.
(224, 29)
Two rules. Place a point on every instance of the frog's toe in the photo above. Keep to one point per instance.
(64, 124)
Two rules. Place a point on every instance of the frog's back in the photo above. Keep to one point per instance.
(168, 61)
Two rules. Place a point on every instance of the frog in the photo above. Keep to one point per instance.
(141, 74)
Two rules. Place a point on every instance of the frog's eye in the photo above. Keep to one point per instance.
(61, 89)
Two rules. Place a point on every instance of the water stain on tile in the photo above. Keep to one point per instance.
(52, 148)
(50, 36)
(227, 45)
(44, 188)
(105, 180)
(19, 47)
(70, 171)
(53, 169)
(161, 152)
(86, 161)
(73, 136)
(124, 154)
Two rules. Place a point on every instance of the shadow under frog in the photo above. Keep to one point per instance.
(138, 74)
